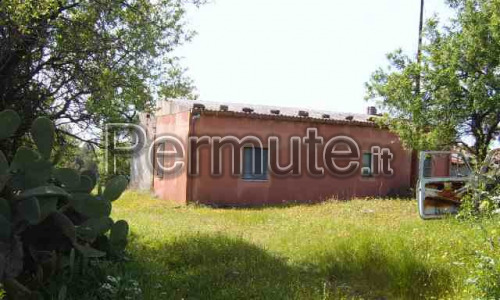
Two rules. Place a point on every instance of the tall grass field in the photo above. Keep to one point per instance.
(359, 249)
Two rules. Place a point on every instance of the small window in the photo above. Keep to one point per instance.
(366, 169)
(255, 164)
(428, 166)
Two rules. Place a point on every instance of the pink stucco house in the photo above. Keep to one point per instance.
(254, 185)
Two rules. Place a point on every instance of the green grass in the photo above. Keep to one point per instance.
(374, 249)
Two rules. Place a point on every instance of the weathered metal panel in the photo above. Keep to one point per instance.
(141, 176)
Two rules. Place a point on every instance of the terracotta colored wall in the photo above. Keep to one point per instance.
(173, 187)
(228, 190)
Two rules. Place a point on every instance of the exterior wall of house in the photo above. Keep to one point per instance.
(172, 186)
(229, 190)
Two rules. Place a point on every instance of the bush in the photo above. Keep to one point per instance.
(49, 220)
(483, 197)
(479, 205)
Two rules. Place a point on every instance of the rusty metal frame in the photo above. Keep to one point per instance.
(424, 180)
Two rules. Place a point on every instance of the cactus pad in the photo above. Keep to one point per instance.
(114, 188)
(90, 206)
(30, 210)
(90, 174)
(5, 217)
(5, 228)
(92, 228)
(9, 122)
(89, 252)
(48, 205)
(4, 170)
(118, 236)
(5, 209)
(44, 191)
(67, 227)
(24, 158)
(42, 132)
(86, 185)
(68, 177)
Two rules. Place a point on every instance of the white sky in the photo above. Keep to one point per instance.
(311, 54)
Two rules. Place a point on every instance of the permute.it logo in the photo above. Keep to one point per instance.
(339, 156)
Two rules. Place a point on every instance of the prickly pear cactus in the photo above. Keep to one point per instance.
(50, 211)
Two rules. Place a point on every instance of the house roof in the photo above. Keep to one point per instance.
(274, 112)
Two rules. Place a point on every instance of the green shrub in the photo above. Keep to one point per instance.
(483, 197)
(479, 205)
(49, 220)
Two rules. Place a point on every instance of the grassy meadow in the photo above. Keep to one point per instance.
(360, 249)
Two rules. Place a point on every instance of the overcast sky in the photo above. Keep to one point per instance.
(301, 53)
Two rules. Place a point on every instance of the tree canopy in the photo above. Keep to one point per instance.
(85, 62)
(459, 75)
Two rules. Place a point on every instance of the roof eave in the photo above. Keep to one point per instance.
(285, 118)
